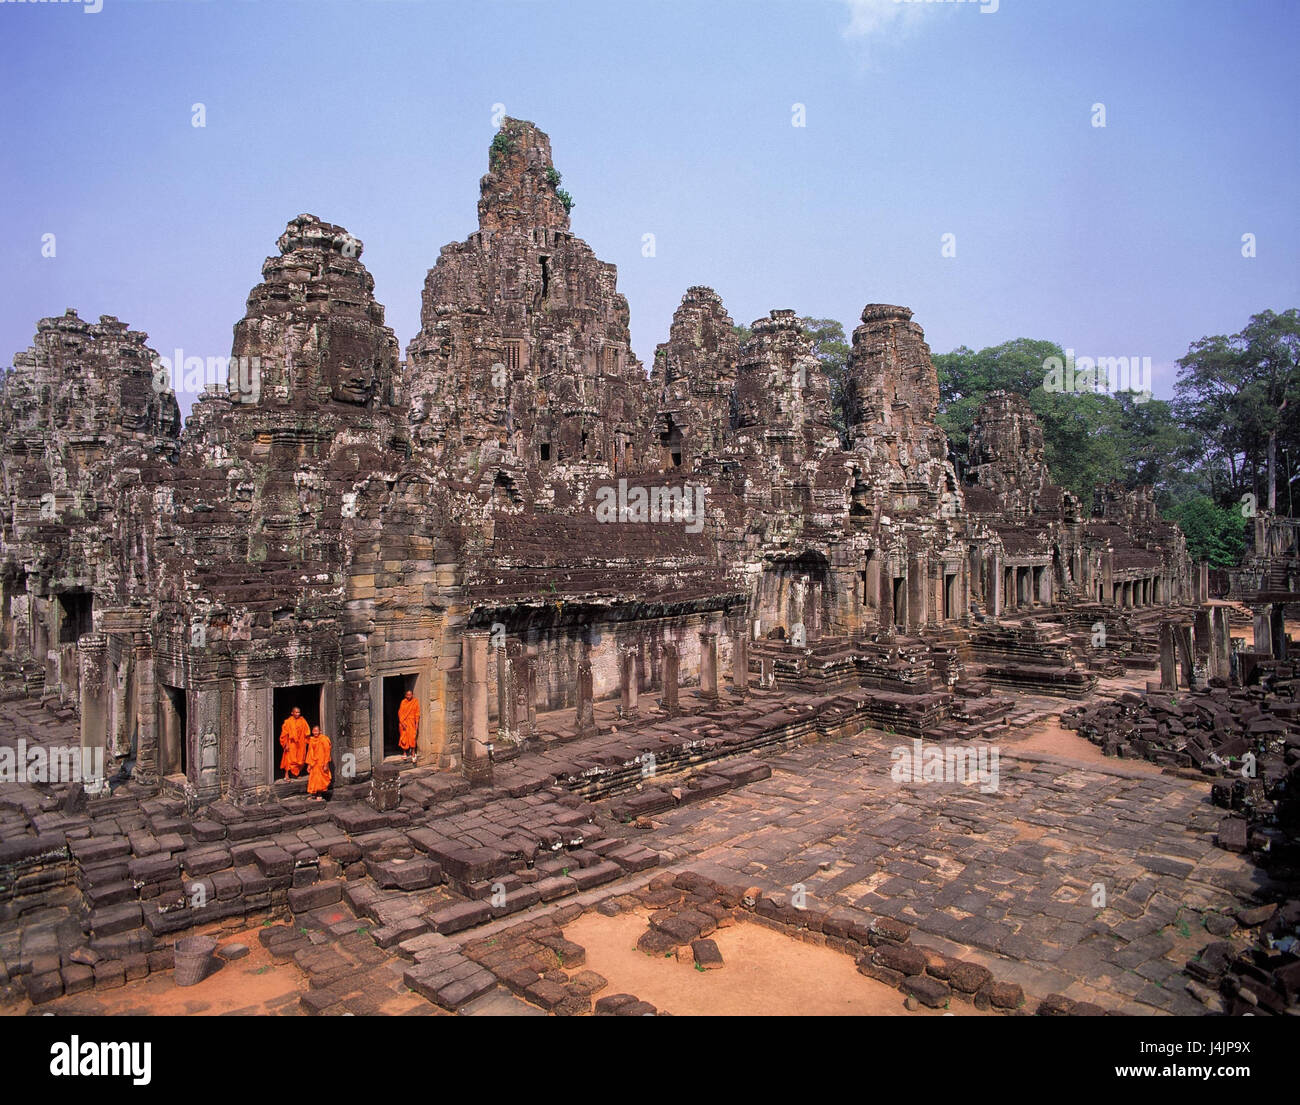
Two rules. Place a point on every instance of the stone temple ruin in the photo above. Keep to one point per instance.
(615, 592)
(519, 521)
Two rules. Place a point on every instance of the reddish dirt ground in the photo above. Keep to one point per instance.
(1048, 738)
(766, 974)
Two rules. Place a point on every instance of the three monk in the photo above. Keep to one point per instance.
(293, 739)
(319, 774)
(408, 725)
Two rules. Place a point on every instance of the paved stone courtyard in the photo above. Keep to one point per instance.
(1006, 879)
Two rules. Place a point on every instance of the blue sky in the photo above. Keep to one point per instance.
(672, 119)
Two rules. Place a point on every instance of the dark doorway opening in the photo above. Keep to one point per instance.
(395, 688)
(671, 442)
(77, 616)
(306, 696)
(172, 738)
(900, 602)
(949, 596)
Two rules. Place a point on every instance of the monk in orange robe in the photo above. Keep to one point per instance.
(408, 724)
(319, 775)
(293, 739)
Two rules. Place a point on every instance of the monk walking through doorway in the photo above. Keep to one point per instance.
(319, 773)
(408, 725)
(293, 739)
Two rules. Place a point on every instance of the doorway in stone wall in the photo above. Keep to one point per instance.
(306, 696)
(171, 730)
(395, 688)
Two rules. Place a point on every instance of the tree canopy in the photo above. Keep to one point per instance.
(1236, 404)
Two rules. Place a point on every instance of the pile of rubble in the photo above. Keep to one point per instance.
(1263, 978)
(1246, 738)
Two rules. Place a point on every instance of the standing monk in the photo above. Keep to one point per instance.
(408, 724)
(319, 775)
(293, 739)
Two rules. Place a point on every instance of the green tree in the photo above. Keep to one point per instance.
(1214, 533)
(1240, 394)
(966, 377)
(1088, 439)
(831, 348)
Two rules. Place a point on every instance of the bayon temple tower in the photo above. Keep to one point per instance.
(337, 524)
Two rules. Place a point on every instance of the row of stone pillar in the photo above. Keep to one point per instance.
(629, 677)
(516, 692)
(1137, 592)
(517, 684)
(1203, 648)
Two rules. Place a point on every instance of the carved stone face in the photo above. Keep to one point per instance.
(350, 366)
(356, 384)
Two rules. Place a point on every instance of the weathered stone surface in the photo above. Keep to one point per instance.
(927, 990)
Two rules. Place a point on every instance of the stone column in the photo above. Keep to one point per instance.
(1262, 631)
(1204, 644)
(996, 597)
(524, 675)
(668, 703)
(474, 706)
(1221, 631)
(798, 627)
(917, 607)
(146, 709)
(886, 614)
(202, 756)
(506, 726)
(1183, 635)
(256, 744)
(709, 664)
(586, 714)
(740, 658)
(1168, 662)
(1108, 578)
(93, 659)
(1203, 582)
(627, 683)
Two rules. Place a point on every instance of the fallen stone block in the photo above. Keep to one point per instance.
(459, 916)
(707, 955)
(273, 861)
(411, 874)
(927, 990)
(899, 957)
(968, 978)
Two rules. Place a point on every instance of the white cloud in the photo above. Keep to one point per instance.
(881, 19)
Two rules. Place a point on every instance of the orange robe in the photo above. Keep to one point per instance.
(318, 765)
(293, 739)
(408, 723)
